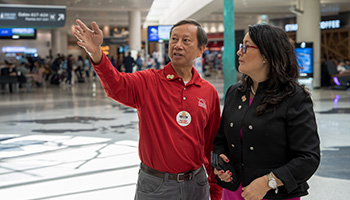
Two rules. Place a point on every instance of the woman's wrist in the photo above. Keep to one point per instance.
(279, 182)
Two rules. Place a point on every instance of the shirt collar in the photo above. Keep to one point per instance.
(170, 75)
(261, 86)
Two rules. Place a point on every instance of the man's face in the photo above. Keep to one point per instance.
(183, 46)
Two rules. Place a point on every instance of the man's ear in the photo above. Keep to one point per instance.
(201, 50)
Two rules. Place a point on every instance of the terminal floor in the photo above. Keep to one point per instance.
(74, 143)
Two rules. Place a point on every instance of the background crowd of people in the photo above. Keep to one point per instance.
(69, 69)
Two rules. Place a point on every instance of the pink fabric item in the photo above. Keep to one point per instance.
(230, 195)
(236, 195)
(250, 101)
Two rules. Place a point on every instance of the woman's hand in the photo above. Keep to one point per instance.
(90, 40)
(256, 190)
(224, 176)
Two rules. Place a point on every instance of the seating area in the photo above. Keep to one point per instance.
(339, 81)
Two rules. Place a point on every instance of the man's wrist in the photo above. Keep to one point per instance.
(96, 57)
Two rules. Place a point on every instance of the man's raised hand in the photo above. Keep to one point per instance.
(90, 40)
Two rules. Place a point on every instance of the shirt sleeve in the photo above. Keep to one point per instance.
(303, 143)
(122, 87)
(210, 132)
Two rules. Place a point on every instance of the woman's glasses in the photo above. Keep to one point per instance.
(244, 47)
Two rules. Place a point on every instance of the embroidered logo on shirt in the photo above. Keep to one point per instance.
(183, 118)
(170, 76)
(202, 103)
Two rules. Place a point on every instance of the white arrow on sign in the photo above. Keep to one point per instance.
(60, 16)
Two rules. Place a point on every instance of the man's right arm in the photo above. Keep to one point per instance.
(126, 88)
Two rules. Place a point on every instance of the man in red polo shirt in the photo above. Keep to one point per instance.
(178, 112)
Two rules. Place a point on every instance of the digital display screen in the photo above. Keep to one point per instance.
(304, 53)
(153, 34)
(156, 33)
(6, 32)
(164, 32)
(17, 33)
(24, 32)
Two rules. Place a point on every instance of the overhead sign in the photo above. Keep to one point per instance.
(114, 40)
(332, 24)
(36, 16)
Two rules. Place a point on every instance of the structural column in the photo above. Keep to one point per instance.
(55, 42)
(135, 30)
(63, 43)
(309, 31)
(228, 58)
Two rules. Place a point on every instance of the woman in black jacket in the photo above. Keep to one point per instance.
(268, 131)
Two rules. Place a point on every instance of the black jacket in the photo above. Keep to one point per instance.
(284, 141)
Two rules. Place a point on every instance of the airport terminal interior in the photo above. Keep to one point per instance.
(63, 138)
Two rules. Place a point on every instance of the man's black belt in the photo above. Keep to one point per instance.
(178, 177)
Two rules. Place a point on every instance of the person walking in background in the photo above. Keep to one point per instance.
(268, 131)
(87, 67)
(128, 62)
(21, 74)
(39, 71)
(155, 56)
(179, 114)
(139, 62)
(150, 62)
(80, 66)
(120, 62)
(69, 69)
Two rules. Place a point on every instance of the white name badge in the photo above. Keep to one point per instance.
(183, 118)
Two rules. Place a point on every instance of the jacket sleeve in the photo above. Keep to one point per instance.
(303, 142)
(210, 132)
(125, 88)
(220, 141)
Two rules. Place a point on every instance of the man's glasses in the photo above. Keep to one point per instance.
(244, 47)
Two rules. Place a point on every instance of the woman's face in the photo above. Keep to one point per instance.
(252, 63)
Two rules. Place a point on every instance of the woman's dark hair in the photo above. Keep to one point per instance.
(202, 37)
(278, 51)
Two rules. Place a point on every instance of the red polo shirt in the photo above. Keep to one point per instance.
(177, 122)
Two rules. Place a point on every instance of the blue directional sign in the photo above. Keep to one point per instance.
(36, 16)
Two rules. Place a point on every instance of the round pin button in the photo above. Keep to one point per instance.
(183, 118)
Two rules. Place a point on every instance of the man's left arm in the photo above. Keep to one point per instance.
(210, 133)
